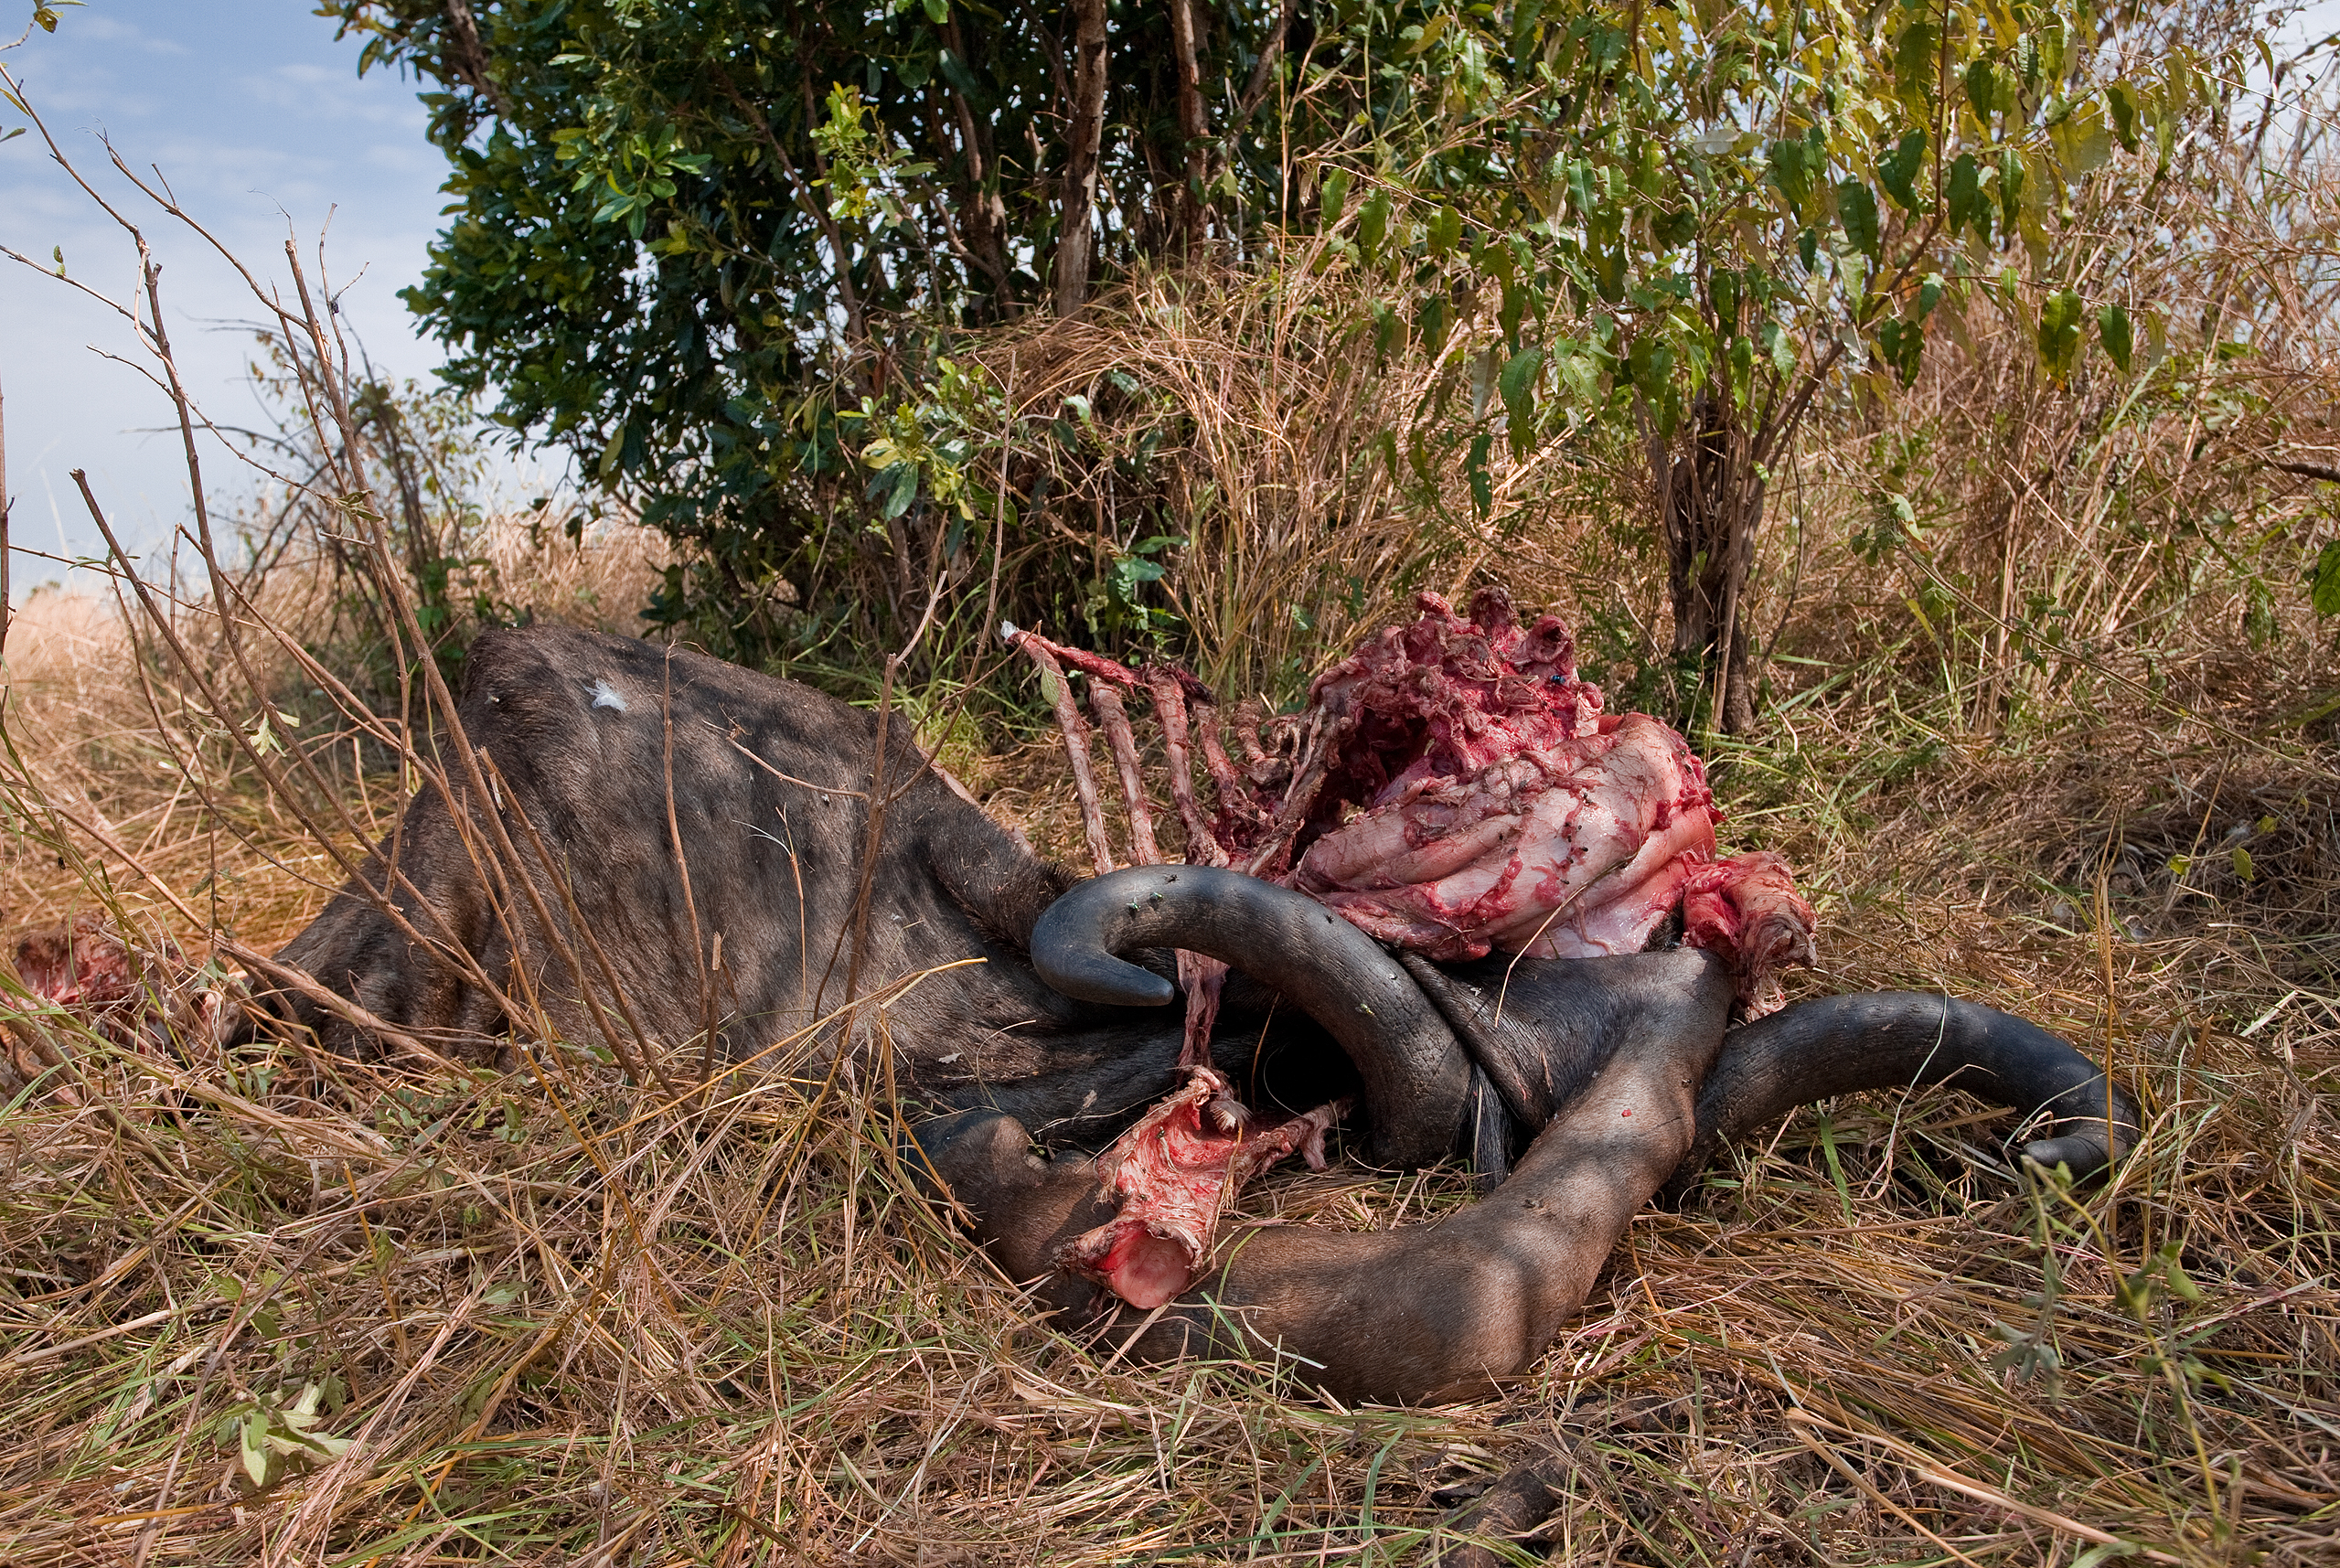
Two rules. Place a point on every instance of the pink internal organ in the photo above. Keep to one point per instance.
(1174, 1174)
(1574, 847)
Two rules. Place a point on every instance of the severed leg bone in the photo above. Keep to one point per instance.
(1174, 1174)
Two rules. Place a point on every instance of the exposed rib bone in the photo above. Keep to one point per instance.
(1170, 707)
(1234, 805)
(1106, 702)
(1094, 665)
(1076, 738)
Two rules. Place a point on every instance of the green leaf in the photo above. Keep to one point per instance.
(1516, 299)
(1964, 196)
(1335, 197)
(2083, 141)
(1981, 90)
(1741, 359)
(1650, 365)
(2123, 104)
(962, 80)
(1916, 62)
(1373, 220)
(1517, 383)
(938, 11)
(1897, 170)
(1722, 290)
(1483, 486)
(2059, 333)
(252, 1445)
(1429, 35)
(2049, 42)
(2012, 174)
(1856, 209)
(894, 489)
(1791, 169)
(1444, 231)
(1434, 320)
(1782, 347)
(1901, 344)
(2323, 581)
(2113, 326)
(1389, 331)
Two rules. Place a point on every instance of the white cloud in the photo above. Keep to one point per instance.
(96, 27)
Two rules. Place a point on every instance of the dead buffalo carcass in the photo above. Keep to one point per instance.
(655, 848)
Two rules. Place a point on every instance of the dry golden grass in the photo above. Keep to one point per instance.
(561, 1321)
(100, 724)
(263, 1306)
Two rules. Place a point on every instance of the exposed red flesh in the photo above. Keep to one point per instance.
(1479, 798)
(1747, 910)
(147, 999)
(80, 962)
(1175, 1173)
(1474, 799)
(1573, 847)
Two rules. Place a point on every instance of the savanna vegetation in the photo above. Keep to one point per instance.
(1928, 405)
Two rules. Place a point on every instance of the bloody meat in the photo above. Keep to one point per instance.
(1479, 799)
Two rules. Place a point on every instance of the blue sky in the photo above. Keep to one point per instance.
(258, 118)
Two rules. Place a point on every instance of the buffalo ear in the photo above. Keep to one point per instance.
(994, 877)
(1022, 1206)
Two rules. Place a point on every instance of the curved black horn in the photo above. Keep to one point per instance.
(1897, 1040)
(1417, 1080)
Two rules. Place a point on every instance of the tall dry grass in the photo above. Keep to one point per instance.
(102, 724)
(262, 1305)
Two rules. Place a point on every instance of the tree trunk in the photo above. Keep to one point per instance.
(1709, 501)
(1076, 241)
(985, 215)
(1193, 122)
(1263, 71)
(464, 57)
